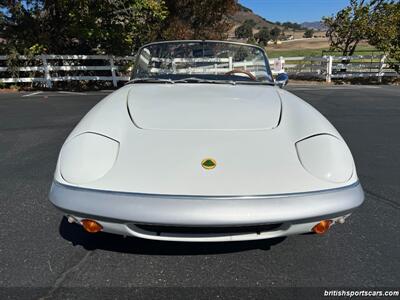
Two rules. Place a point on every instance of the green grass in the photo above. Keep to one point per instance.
(293, 53)
(274, 53)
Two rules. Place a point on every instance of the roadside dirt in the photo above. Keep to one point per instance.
(5, 91)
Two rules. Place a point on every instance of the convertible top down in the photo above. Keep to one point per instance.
(203, 145)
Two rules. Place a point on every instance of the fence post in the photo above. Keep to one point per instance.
(282, 63)
(112, 67)
(329, 64)
(47, 76)
(279, 65)
(381, 67)
(230, 66)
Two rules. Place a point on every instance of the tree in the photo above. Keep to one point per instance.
(263, 36)
(351, 25)
(309, 33)
(294, 26)
(85, 27)
(250, 22)
(275, 33)
(384, 31)
(2, 19)
(244, 31)
(194, 19)
(109, 26)
(20, 25)
(252, 41)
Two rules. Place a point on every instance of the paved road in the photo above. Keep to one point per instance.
(39, 248)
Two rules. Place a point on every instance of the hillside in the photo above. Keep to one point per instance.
(294, 43)
(317, 25)
(289, 29)
(245, 13)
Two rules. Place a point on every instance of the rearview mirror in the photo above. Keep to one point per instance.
(282, 79)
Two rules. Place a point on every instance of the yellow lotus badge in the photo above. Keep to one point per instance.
(208, 163)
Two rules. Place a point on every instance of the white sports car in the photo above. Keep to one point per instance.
(203, 145)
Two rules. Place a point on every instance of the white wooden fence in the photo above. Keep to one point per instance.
(51, 68)
(334, 67)
(47, 69)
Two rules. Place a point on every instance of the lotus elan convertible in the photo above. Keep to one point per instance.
(204, 145)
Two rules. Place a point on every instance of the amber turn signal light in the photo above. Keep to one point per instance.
(322, 227)
(91, 226)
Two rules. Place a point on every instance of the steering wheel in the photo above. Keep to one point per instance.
(236, 71)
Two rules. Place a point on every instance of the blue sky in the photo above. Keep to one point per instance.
(294, 10)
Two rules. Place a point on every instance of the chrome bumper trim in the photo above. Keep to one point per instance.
(205, 210)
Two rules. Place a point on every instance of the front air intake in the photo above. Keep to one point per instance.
(207, 230)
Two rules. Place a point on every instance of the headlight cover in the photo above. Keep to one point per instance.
(326, 157)
(87, 157)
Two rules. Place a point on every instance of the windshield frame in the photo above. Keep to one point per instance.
(266, 60)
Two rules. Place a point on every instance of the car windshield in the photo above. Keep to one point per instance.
(201, 61)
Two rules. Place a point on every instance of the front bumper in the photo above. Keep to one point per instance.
(119, 212)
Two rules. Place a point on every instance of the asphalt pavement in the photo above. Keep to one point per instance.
(42, 255)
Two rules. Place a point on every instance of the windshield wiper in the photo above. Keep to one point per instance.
(150, 80)
(255, 82)
(200, 80)
(233, 82)
(196, 80)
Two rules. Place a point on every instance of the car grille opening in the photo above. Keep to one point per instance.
(207, 230)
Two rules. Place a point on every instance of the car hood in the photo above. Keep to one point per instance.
(203, 107)
(169, 160)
